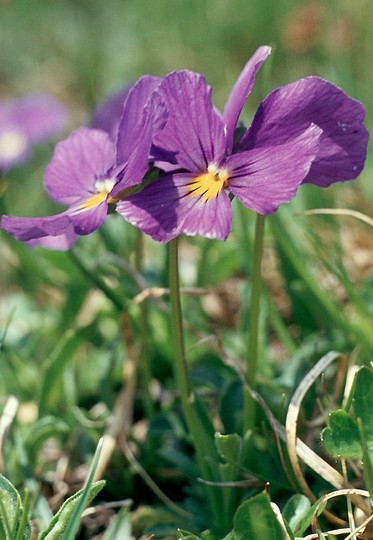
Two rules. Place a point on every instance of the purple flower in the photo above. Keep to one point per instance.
(26, 121)
(87, 172)
(307, 131)
(107, 115)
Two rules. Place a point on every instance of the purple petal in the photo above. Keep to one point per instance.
(55, 232)
(77, 163)
(39, 116)
(289, 110)
(165, 210)
(62, 242)
(85, 221)
(144, 114)
(107, 115)
(131, 123)
(241, 90)
(26, 121)
(194, 131)
(263, 178)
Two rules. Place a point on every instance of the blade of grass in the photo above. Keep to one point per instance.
(74, 522)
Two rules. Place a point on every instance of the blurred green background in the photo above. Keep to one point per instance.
(82, 49)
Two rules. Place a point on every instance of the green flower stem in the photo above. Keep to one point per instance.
(204, 447)
(145, 366)
(275, 319)
(178, 335)
(252, 351)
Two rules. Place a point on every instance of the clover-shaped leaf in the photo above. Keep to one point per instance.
(342, 437)
(348, 436)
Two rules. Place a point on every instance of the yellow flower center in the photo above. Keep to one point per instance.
(210, 184)
(103, 189)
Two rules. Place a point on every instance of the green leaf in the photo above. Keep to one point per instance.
(11, 513)
(230, 536)
(342, 438)
(73, 524)
(42, 429)
(363, 402)
(229, 447)
(255, 519)
(60, 522)
(297, 513)
(120, 527)
(52, 373)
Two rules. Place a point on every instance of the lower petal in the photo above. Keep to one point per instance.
(54, 232)
(166, 209)
(88, 219)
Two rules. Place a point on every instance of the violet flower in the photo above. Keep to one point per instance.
(25, 122)
(87, 172)
(107, 115)
(307, 131)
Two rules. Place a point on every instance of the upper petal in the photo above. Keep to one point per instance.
(263, 178)
(241, 90)
(107, 115)
(132, 117)
(78, 161)
(289, 110)
(194, 132)
(165, 210)
(144, 115)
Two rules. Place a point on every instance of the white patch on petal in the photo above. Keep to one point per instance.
(105, 185)
(12, 145)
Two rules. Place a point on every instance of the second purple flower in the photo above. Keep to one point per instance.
(308, 131)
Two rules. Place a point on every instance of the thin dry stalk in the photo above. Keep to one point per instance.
(361, 528)
(349, 492)
(128, 454)
(328, 473)
(316, 536)
(340, 212)
(292, 423)
(308, 456)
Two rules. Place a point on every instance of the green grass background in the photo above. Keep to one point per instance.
(61, 350)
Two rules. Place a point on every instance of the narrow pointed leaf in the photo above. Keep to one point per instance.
(11, 512)
(57, 527)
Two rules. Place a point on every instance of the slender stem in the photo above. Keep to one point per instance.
(206, 453)
(145, 362)
(178, 335)
(252, 351)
